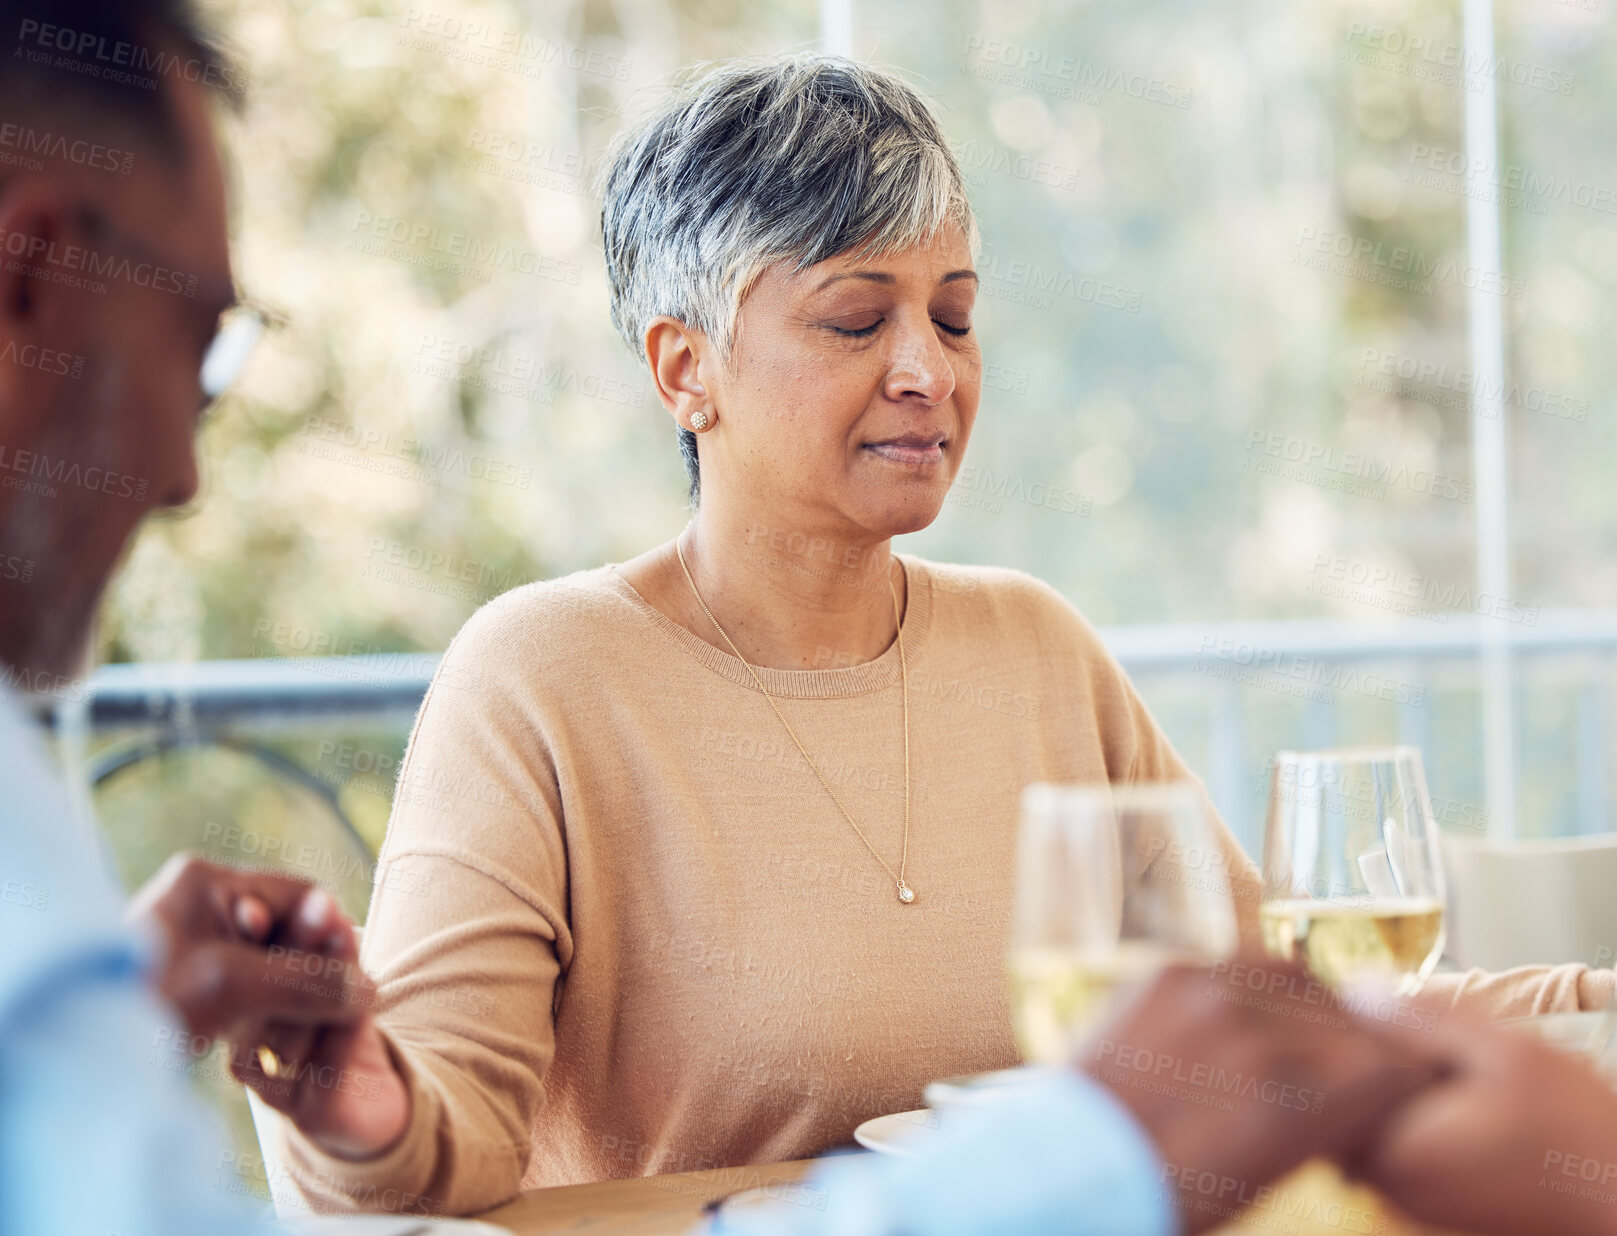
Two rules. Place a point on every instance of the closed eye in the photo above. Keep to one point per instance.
(865, 331)
(861, 333)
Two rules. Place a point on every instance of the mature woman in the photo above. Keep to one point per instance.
(705, 857)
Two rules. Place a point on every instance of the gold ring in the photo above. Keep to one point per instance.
(269, 1061)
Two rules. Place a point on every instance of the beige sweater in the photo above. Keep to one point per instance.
(619, 928)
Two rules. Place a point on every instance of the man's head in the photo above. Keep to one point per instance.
(114, 268)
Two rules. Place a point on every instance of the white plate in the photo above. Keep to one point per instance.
(978, 1089)
(902, 1133)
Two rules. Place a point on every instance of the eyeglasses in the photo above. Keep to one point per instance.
(241, 324)
(240, 328)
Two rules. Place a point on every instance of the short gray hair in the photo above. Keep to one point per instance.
(798, 157)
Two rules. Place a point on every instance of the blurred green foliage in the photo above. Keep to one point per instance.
(1166, 190)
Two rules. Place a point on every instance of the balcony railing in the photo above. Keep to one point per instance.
(153, 707)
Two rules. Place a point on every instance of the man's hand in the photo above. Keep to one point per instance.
(233, 941)
(272, 962)
(1242, 1072)
(1520, 1140)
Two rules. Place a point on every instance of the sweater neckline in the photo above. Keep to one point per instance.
(847, 680)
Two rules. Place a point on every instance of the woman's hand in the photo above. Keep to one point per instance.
(268, 961)
(339, 1083)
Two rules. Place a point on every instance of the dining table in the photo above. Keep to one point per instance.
(1312, 1201)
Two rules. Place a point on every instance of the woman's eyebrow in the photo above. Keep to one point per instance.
(883, 277)
(871, 276)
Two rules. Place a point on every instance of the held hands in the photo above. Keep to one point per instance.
(272, 962)
(1519, 1138)
(1237, 1084)
(1458, 1123)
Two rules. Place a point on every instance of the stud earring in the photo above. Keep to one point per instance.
(699, 420)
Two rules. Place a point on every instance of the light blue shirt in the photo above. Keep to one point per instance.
(100, 1135)
(1066, 1159)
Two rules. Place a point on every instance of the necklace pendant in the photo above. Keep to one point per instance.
(906, 894)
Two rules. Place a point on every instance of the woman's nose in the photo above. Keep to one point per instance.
(920, 368)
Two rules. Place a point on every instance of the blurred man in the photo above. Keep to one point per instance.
(114, 273)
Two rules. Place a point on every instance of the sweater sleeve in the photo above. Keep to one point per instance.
(1520, 992)
(466, 938)
(1137, 750)
(1227, 865)
(1526, 990)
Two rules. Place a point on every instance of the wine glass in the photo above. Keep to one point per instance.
(1352, 875)
(1112, 883)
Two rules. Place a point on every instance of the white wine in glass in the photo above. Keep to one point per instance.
(1353, 880)
(1057, 994)
(1105, 898)
(1339, 941)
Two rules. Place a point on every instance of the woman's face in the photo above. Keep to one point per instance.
(851, 392)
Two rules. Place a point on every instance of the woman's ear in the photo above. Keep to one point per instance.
(674, 351)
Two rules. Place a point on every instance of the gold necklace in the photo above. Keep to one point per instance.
(906, 894)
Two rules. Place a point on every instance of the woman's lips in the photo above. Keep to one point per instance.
(912, 456)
